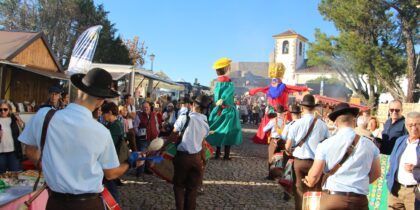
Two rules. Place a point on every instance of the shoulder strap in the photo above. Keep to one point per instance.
(181, 134)
(311, 127)
(47, 120)
(349, 151)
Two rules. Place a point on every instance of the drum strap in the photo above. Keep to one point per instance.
(181, 134)
(349, 151)
(47, 120)
(311, 127)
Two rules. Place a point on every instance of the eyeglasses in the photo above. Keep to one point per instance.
(4, 110)
(394, 110)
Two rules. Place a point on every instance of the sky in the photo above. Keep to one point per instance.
(187, 36)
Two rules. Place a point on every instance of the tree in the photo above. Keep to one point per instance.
(62, 22)
(386, 31)
(137, 52)
(363, 67)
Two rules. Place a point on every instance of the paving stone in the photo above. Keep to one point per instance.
(237, 184)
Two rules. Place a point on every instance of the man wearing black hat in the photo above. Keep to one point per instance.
(188, 162)
(352, 163)
(79, 151)
(304, 136)
(53, 98)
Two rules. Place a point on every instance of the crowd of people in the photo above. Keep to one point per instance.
(336, 152)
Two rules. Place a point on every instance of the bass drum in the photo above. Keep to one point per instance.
(165, 169)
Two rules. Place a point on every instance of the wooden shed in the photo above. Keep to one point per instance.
(27, 67)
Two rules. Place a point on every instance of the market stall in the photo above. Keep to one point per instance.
(27, 68)
(16, 188)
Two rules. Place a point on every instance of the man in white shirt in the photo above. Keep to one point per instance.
(79, 151)
(404, 170)
(188, 162)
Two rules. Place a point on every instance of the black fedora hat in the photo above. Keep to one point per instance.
(202, 100)
(280, 109)
(295, 109)
(309, 101)
(343, 108)
(97, 82)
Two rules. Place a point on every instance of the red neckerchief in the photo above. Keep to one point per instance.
(223, 78)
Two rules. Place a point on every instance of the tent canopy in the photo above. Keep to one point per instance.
(333, 101)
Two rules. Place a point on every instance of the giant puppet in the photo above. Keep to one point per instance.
(277, 94)
(224, 121)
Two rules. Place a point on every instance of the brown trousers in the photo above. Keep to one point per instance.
(188, 175)
(401, 197)
(55, 203)
(338, 202)
(301, 169)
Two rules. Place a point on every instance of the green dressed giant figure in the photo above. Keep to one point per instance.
(224, 121)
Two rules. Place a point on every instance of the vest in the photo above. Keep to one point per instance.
(149, 124)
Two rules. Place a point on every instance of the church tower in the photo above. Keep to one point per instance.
(290, 50)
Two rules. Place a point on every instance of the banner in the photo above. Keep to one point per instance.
(84, 50)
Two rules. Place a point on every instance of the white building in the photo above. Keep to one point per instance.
(290, 50)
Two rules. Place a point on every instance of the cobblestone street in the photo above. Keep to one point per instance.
(235, 184)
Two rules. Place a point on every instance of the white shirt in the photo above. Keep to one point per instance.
(194, 134)
(408, 156)
(7, 144)
(299, 130)
(77, 149)
(271, 125)
(353, 175)
(130, 109)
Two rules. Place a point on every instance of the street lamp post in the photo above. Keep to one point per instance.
(152, 58)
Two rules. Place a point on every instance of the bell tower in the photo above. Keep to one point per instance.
(290, 51)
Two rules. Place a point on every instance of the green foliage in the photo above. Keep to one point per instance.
(369, 52)
(62, 22)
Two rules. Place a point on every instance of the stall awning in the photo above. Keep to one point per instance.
(118, 71)
(117, 75)
(333, 101)
(50, 74)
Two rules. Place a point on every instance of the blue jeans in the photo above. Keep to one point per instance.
(142, 145)
(111, 185)
(9, 162)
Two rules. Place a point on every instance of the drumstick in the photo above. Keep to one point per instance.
(26, 204)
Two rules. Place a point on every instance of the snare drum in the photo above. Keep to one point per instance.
(311, 201)
(165, 169)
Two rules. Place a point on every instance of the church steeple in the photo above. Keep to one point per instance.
(289, 50)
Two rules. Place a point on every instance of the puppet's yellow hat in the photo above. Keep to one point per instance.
(221, 63)
(276, 70)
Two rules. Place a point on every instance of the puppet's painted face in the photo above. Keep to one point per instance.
(275, 82)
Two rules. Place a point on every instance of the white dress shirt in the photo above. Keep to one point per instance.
(409, 156)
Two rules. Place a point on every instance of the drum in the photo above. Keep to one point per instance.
(165, 169)
(286, 181)
(311, 201)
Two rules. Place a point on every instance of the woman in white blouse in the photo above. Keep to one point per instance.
(10, 147)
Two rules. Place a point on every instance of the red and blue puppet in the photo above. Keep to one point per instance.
(277, 94)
